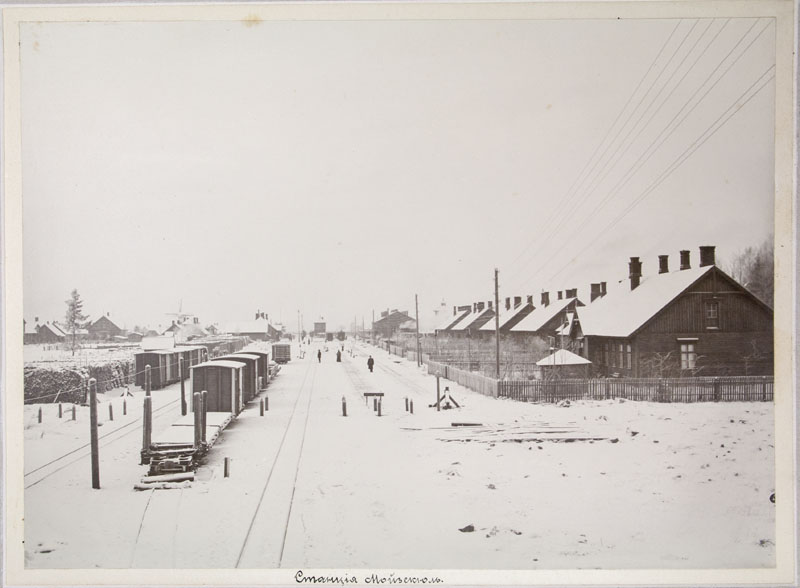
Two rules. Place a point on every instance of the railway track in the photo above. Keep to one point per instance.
(266, 534)
(44, 471)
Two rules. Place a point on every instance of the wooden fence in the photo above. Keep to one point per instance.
(476, 382)
(722, 389)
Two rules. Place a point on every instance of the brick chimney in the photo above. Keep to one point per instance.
(489, 303)
(707, 255)
(685, 263)
(530, 300)
(517, 301)
(572, 293)
(545, 298)
(635, 273)
(663, 264)
(508, 302)
(560, 295)
(595, 292)
(602, 289)
(480, 307)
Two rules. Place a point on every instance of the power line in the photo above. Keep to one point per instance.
(735, 107)
(651, 150)
(608, 132)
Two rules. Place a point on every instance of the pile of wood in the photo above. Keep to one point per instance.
(68, 383)
(44, 385)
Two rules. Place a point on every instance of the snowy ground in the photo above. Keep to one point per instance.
(592, 485)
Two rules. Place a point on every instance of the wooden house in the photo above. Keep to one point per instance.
(393, 322)
(448, 322)
(510, 315)
(103, 328)
(691, 321)
(52, 333)
(470, 325)
(548, 319)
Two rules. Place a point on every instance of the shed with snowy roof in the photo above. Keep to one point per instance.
(685, 322)
(564, 364)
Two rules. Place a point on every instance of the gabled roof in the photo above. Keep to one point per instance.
(394, 315)
(473, 317)
(623, 311)
(94, 322)
(541, 316)
(506, 316)
(562, 357)
(567, 328)
(452, 320)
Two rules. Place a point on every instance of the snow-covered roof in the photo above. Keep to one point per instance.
(233, 356)
(567, 328)
(622, 311)
(506, 316)
(562, 357)
(452, 320)
(219, 363)
(541, 316)
(30, 328)
(473, 316)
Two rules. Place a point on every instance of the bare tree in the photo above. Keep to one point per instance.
(753, 268)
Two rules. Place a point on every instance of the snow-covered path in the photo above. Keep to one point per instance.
(542, 486)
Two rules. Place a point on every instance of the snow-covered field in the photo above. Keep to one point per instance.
(590, 485)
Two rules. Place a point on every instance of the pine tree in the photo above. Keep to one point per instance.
(75, 319)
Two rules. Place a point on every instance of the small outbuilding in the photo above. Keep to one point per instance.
(564, 364)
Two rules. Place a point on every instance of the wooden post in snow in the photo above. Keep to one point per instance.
(60, 413)
(227, 467)
(380, 403)
(344, 406)
(204, 405)
(198, 419)
(40, 414)
(411, 406)
(73, 412)
(124, 406)
(266, 403)
(183, 386)
(93, 434)
(147, 380)
(406, 403)
(147, 425)
(438, 408)
(261, 407)
(110, 412)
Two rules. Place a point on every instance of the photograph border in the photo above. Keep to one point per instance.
(784, 13)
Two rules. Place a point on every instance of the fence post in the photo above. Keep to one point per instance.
(716, 390)
(411, 405)
(110, 412)
(204, 405)
(40, 414)
(380, 403)
(147, 424)
(763, 388)
(198, 419)
(73, 412)
(438, 407)
(124, 406)
(60, 413)
(344, 407)
(183, 386)
(93, 433)
(147, 380)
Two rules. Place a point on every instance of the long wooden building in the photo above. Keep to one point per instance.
(689, 321)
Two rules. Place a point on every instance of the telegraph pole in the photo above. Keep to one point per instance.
(416, 307)
(496, 325)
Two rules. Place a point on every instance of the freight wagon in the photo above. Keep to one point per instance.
(282, 352)
(250, 375)
(164, 364)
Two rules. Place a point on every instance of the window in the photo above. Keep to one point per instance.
(688, 356)
(628, 358)
(612, 356)
(712, 314)
(621, 351)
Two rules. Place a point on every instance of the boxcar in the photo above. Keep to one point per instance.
(281, 352)
(163, 367)
(263, 364)
(192, 355)
(222, 380)
(251, 374)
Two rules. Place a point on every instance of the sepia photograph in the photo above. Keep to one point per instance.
(399, 293)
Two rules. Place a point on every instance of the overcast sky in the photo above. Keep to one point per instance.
(340, 167)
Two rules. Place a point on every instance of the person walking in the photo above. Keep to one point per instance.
(319, 356)
(370, 363)
(338, 356)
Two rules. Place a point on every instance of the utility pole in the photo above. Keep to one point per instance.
(496, 325)
(416, 307)
(372, 329)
